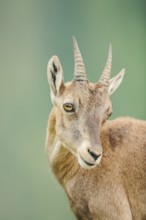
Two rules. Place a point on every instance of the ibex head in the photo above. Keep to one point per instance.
(81, 107)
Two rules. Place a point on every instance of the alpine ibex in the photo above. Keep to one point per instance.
(101, 164)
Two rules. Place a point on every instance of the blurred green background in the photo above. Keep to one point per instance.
(31, 31)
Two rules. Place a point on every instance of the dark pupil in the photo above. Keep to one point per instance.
(69, 106)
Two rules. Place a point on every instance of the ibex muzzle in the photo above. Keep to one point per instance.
(90, 150)
(81, 108)
(89, 156)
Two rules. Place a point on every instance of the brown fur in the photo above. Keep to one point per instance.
(115, 189)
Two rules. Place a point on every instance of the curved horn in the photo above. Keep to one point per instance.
(105, 77)
(79, 68)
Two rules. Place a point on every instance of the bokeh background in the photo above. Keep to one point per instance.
(31, 31)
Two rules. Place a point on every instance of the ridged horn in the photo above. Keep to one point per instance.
(79, 67)
(105, 77)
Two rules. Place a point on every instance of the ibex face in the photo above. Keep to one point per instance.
(80, 107)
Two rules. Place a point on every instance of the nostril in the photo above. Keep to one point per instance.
(94, 155)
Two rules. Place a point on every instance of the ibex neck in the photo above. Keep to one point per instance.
(64, 166)
(63, 163)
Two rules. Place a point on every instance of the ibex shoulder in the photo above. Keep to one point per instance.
(123, 130)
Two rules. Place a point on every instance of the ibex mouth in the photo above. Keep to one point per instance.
(84, 161)
(90, 164)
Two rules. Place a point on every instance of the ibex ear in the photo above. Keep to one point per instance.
(55, 77)
(115, 81)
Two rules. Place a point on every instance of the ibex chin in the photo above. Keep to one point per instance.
(101, 164)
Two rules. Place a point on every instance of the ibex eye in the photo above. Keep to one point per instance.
(69, 107)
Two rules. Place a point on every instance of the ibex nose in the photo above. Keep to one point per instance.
(93, 154)
(89, 155)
